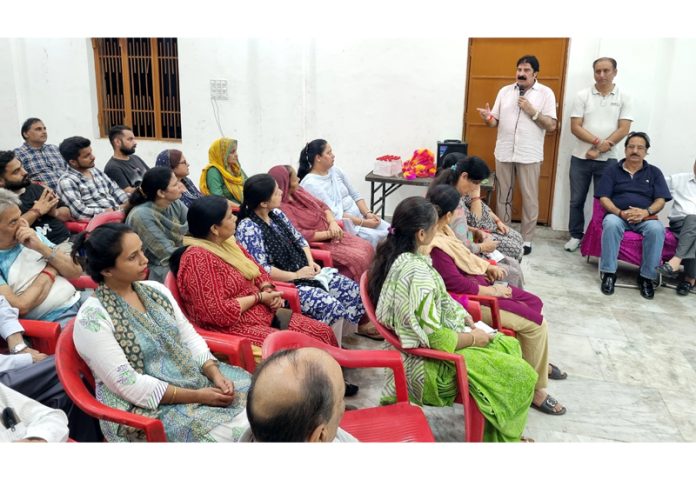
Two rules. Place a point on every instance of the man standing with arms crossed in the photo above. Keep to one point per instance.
(601, 117)
(523, 112)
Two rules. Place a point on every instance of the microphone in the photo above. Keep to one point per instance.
(521, 88)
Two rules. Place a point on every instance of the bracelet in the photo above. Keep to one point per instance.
(368, 212)
(596, 141)
(361, 222)
(474, 198)
(50, 275)
(473, 340)
(489, 117)
(36, 211)
(171, 400)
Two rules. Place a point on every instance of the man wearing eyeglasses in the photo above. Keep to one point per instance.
(632, 192)
(601, 117)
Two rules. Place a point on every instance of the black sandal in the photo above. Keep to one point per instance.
(548, 406)
(556, 373)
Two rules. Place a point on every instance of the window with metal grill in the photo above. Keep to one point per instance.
(138, 86)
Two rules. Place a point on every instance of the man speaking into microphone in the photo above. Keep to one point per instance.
(523, 113)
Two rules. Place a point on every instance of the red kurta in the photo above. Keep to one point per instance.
(209, 288)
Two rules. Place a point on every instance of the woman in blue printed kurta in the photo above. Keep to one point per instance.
(267, 234)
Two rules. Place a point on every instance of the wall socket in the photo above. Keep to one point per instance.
(218, 89)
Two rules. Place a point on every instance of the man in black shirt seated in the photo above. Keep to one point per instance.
(41, 207)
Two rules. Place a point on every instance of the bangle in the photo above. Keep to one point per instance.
(171, 400)
(361, 222)
(50, 275)
(54, 250)
(36, 211)
(474, 198)
(473, 340)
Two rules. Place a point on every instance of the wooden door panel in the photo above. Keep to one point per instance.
(492, 65)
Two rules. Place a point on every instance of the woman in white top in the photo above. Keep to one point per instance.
(330, 185)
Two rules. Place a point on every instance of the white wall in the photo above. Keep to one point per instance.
(367, 97)
(658, 73)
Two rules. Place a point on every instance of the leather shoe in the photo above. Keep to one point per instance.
(646, 287)
(684, 288)
(608, 281)
(351, 389)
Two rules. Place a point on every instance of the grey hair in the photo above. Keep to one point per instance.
(7, 199)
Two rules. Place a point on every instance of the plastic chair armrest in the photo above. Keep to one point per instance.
(83, 282)
(46, 332)
(492, 303)
(318, 246)
(323, 257)
(237, 349)
(75, 227)
(290, 294)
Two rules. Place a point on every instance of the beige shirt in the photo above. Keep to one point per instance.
(682, 186)
(520, 139)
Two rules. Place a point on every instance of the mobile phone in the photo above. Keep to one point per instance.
(500, 282)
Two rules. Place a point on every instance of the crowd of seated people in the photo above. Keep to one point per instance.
(227, 246)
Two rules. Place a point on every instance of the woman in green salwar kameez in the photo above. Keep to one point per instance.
(412, 300)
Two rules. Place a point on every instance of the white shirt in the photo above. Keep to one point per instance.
(520, 139)
(8, 326)
(35, 420)
(334, 190)
(601, 115)
(682, 186)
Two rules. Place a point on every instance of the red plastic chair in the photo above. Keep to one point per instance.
(472, 304)
(473, 419)
(116, 216)
(75, 227)
(400, 422)
(44, 335)
(72, 369)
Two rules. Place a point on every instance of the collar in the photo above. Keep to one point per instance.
(597, 92)
(621, 165)
(515, 86)
(26, 144)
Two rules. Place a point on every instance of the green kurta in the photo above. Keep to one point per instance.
(415, 304)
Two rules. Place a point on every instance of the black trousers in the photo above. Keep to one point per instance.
(39, 381)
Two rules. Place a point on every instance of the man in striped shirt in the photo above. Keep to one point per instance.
(41, 160)
(85, 189)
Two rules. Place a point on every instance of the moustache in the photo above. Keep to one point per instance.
(521, 77)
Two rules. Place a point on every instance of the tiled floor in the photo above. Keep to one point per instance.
(631, 362)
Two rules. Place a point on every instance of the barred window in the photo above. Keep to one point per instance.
(138, 86)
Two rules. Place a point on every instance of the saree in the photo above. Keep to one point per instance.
(153, 346)
(415, 305)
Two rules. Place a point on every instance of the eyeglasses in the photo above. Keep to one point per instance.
(642, 135)
(182, 163)
(640, 148)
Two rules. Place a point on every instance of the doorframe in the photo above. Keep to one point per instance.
(559, 113)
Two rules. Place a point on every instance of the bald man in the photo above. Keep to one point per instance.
(297, 396)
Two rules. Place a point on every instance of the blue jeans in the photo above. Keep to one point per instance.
(582, 172)
(613, 229)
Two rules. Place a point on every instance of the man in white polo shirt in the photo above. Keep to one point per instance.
(523, 112)
(682, 222)
(601, 117)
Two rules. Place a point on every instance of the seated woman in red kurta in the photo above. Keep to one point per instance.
(223, 289)
(463, 272)
(315, 221)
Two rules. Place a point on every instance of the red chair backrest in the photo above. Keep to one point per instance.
(170, 283)
(103, 218)
(387, 333)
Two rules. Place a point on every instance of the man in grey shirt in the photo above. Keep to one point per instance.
(124, 168)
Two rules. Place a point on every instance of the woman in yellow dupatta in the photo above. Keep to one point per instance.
(223, 175)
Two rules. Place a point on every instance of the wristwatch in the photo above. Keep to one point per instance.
(20, 347)
(650, 212)
(536, 115)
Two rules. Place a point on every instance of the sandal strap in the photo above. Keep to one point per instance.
(550, 401)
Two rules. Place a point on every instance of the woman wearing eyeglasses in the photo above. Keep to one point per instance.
(176, 160)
